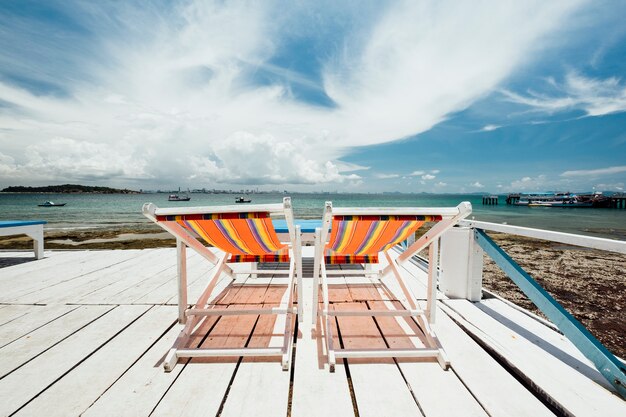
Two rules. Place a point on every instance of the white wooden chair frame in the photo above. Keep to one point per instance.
(191, 317)
(424, 319)
(34, 231)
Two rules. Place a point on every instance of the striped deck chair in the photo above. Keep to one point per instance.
(242, 236)
(359, 236)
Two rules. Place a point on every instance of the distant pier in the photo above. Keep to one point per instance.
(512, 198)
(618, 201)
(491, 200)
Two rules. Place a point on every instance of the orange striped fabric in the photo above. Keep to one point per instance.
(248, 237)
(356, 236)
(332, 258)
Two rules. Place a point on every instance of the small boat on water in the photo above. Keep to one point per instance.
(51, 204)
(561, 203)
(178, 197)
(242, 200)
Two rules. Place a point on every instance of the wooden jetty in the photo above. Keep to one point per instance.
(85, 333)
(491, 200)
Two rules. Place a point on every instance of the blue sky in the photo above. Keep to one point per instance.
(353, 96)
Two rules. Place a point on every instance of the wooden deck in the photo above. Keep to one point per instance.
(84, 333)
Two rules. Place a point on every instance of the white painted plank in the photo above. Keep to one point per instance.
(40, 277)
(571, 390)
(538, 333)
(13, 312)
(135, 289)
(166, 293)
(74, 291)
(39, 316)
(498, 392)
(140, 389)
(136, 271)
(316, 391)
(131, 287)
(41, 280)
(611, 245)
(22, 385)
(71, 288)
(53, 259)
(26, 348)
(15, 253)
(93, 376)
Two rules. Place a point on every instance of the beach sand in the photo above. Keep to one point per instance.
(590, 284)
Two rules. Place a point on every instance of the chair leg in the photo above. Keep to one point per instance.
(328, 334)
(329, 345)
(170, 360)
(316, 275)
(300, 293)
(181, 257)
(287, 347)
(287, 342)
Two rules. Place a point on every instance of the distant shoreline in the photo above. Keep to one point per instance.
(66, 189)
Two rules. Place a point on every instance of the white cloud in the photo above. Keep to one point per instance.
(159, 96)
(441, 184)
(477, 185)
(596, 97)
(490, 128)
(595, 172)
(428, 177)
(386, 176)
(417, 173)
(618, 186)
(538, 183)
(435, 171)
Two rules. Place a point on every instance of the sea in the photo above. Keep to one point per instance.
(84, 211)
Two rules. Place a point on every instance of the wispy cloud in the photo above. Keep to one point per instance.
(428, 177)
(594, 96)
(386, 176)
(595, 172)
(477, 184)
(161, 94)
(490, 128)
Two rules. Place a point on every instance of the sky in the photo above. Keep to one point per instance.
(357, 96)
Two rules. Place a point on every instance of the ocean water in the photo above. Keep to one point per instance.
(115, 210)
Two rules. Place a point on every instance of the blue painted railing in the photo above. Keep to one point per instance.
(606, 363)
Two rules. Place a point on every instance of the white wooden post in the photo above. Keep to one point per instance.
(461, 265)
(181, 256)
(37, 236)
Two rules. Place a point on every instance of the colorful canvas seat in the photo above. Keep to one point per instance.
(359, 239)
(247, 237)
(358, 236)
(242, 236)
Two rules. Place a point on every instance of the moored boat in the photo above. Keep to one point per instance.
(178, 196)
(51, 204)
(561, 203)
(242, 200)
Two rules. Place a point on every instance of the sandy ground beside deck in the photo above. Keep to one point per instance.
(590, 284)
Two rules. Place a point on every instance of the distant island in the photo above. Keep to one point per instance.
(68, 189)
